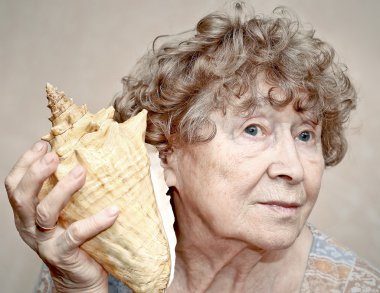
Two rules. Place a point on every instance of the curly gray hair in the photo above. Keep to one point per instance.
(180, 83)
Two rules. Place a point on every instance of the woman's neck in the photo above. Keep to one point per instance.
(213, 269)
(206, 263)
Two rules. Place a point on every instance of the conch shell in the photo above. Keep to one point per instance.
(135, 249)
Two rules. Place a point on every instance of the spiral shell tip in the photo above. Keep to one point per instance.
(58, 102)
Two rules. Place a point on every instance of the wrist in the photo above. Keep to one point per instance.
(100, 286)
(98, 289)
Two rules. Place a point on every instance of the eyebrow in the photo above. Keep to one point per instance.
(313, 120)
(310, 117)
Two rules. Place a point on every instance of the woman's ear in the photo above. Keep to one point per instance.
(169, 164)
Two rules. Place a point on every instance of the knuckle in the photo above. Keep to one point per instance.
(60, 187)
(17, 201)
(64, 190)
(29, 155)
(73, 235)
(27, 158)
(23, 163)
(95, 223)
(66, 185)
(42, 213)
(73, 183)
(39, 170)
(48, 257)
(8, 183)
(36, 172)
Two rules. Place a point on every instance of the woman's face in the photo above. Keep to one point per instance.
(256, 181)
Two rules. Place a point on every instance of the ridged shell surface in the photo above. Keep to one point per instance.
(135, 249)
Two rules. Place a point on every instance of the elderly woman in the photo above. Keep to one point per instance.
(246, 113)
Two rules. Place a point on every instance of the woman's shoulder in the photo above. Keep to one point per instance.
(333, 267)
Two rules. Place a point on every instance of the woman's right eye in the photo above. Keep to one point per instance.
(252, 130)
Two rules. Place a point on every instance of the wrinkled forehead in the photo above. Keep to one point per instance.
(261, 95)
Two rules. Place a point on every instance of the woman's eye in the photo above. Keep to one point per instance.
(252, 130)
(304, 136)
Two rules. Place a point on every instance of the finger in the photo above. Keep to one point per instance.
(48, 210)
(23, 164)
(30, 184)
(24, 198)
(83, 230)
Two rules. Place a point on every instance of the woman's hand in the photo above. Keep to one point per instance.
(72, 269)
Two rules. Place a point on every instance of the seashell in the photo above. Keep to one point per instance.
(135, 249)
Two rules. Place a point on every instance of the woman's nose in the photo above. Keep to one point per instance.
(286, 163)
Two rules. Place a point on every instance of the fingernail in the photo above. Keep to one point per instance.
(112, 211)
(38, 146)
(48, 158)
(77, 171)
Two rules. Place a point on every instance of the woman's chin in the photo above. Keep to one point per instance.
(274, 239)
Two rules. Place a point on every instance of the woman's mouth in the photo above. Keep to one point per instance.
(281, 207)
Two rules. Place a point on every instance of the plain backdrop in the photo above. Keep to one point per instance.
(85, 47)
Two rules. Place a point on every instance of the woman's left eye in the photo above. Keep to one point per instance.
(252, 130)
(304, 136)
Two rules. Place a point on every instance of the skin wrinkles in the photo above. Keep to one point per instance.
(228, 204)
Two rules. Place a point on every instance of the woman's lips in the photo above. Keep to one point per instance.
(281, 207)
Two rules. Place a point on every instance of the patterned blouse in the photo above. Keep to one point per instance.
(331, 268)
